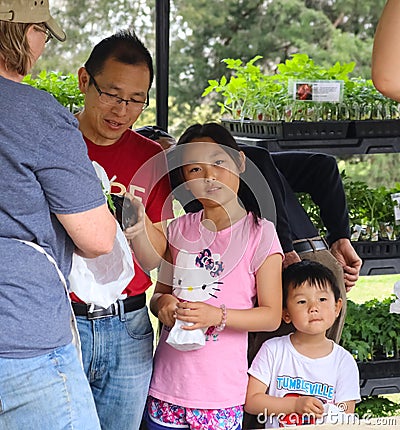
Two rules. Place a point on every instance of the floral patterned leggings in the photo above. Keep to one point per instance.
(163, 415)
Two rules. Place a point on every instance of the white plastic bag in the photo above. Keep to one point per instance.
(101, 280)
(186, 340)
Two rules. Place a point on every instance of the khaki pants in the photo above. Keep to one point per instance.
(258, 338)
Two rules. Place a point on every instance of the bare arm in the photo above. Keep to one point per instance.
(93, 231)
(257, 401)
(148, 240)
(265, 317)
(386, 52)
(163, 303)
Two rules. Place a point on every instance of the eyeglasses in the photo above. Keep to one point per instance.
(44, 30)
(113, 100)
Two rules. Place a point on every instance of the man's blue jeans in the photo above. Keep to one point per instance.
(48, 392)
(117, 356)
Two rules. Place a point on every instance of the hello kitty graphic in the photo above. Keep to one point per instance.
(196, 277)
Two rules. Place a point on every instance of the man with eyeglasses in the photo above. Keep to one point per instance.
(117, 342)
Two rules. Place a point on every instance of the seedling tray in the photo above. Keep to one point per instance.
(377, 250)
(304, 130)
(375, 128)
(257, 129)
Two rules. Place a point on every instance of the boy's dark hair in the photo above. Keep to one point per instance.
(313, 272)
(153, 132)
(224, 138)
(123, 46)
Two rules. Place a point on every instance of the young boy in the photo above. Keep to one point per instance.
(292, 377)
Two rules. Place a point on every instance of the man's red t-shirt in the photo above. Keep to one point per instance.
(138, 165)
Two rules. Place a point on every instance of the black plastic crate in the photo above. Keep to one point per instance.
(258, 129)
(377, 250)
(375, 128)
(305, 130)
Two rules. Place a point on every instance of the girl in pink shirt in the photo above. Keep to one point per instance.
(218, 263)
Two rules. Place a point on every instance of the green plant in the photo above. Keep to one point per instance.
(63, 87)
(370, 331)
(248, 93)
(372, 208)
(376, 406)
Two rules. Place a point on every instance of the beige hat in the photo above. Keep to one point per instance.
(30, 11)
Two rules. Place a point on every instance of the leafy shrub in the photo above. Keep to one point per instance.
(370, 331)
(376, 406)
(63, 87)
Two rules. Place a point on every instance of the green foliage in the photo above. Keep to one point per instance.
(300, 66)
(87, 22)
(370, 207)
(370, 331)
(376, 406)
(63, 87)
(374, 169)
(251, 94)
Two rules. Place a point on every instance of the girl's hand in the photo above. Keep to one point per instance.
(200, 314)
(309, 405)
(139, 226)
(166, 304)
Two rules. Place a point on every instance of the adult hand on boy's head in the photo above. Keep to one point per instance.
(290, 258)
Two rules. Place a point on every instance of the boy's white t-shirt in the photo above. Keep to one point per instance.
(332, 379)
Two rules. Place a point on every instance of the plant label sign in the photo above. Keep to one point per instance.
(396, 198)
(316, 91)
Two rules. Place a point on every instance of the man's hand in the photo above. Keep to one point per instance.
(290, 258)
(347, 257)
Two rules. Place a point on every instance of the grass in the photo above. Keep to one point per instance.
(370, 287)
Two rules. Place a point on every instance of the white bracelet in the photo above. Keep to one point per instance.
(222, 324)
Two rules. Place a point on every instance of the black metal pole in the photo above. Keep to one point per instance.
(162, 62)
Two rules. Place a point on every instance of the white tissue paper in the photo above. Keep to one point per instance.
(186, 340)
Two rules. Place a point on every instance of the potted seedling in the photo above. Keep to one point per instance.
(284, 105)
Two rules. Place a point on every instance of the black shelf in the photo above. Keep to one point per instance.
(379, 377)
(367, 145)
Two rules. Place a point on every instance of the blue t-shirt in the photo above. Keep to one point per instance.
(45, 170)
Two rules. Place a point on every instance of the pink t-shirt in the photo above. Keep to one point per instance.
(217, 268)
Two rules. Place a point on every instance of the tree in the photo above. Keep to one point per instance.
(86, 23)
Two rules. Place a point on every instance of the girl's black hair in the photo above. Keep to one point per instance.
(308, 271)
(223, 137)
